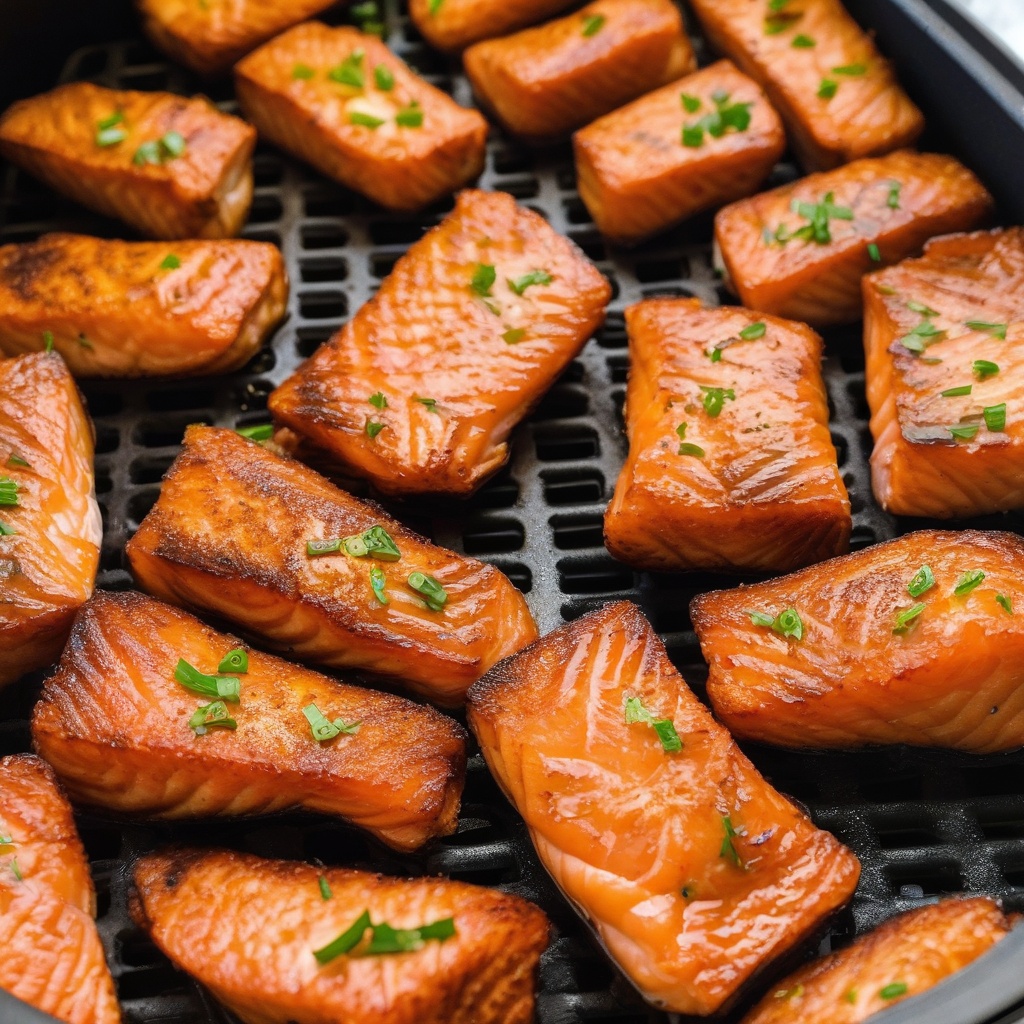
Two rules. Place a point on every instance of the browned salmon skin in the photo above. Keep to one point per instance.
(902, 958)
(342, 101)
(50, 526)
(801, 250)
(210, 37)
(694, 872)
(543, 82)
(706, 139)
(140, 309)
(169, 166)
(230, 535)
(945, 377)
(454, 24)
(731, 465)
(919, 641)
(117, 724)
(498, 305)
(52, 956)
(247, 928)
(837, 94)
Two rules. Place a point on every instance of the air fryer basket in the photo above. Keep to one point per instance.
(924, 823)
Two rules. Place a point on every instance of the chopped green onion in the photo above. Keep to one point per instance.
(377, 400)
(323, 728)
(968, 582)
(874, 253)
(110, 120)
(325, 889)
(435, 5)
(84, 342)
(367, 15)
(850, 996)
(147, 153)
(686, 448)
(350, 72)
(850, 69)
(593, 24)
(802, 42)
(893, 199)
(922, 582)
(984, 368)
(714, 354)
(172, 143)
(728, 849)
(957, 392)
(995, 417)
(384, 938)
(14, 459)
(726, 115)
(963, 431)
(907, 617)
(484, 276)
(693, 137)
(383, 78)
(691, 104)
(260, 432)
(754, 331)
(663, 727)
(520, 284)
(790, 993)
(817, 216)
(322, 547)
(16, 871)
(346, 941)
(170, 262)
(921, 336)
(48, 341)
(6, 530)
(761, 619)
(375, 542)
(996, 330)
(110, 136)
(430, 403)
(373, 428)
(715, 398)
(827, 89)
(779, 20)
(211, 716)
(302, 71)
(892, 990)
(224, 687)
(513, 335)
(378, 584)
(364, 120)
(410, 116)
(787, 624)
(8, 491)
(235, 662)
(433, 593)
(1005, 603)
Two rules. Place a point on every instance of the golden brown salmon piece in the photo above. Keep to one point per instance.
(141, 309)
(543, 82)
(342, 101)
(247, 929)
(731, 465)
(52, 957)
(124, 733)
(945, 377)
(903, 957)
(454, 24)
(705, 140)
(694, 872)
(914, 641)
(837, 94)
(420, 390)
(170, 166)
(269, 545)
(209, 37)
(50, 527)
(801, 250)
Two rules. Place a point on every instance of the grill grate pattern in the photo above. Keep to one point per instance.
(923, 823)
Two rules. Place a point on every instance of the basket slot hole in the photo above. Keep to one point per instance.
(108, 439)
(648, 271)
(512, 161)
(178, 398)
(1006, 826)
(599, 575)
(323, 268)
(264, 209)
(149, 470)
(166, 432)
(933, 879)
(323, 236)
(905, 838)
(323, 305)
(267, 169)
(618, 369)
(309, 339)
(562, 403)
(577, 532)
(499, 493)
(573, 442)
(328, 203)
(573, 487)
(994, 780)
(493, 537)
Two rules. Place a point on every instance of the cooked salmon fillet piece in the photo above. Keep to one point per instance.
(702, 141)
(52, 956)
(454, 24)
(269, 545)
(420, 390)
(50, 527)
(543, 82)
(801, 250)
(170, 166)
(342, 101)
(125, 733)
(902, 958)
(823, 73)
(945, 377)
(693, 871)
(247, 929)
(141, 309)
(914, 641)
(210, 37)
(730, 465)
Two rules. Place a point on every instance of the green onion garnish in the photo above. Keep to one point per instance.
(8, 491)
(383, 78)
(223, 687)
(691, 104)
(963, 431)
(754, 331)
(384, 938)
(984, 368)
(693, 137)
(6, 530)
(728, 849)
(787, 624)
(410, 116)
(818, 216)
(850, 69)
(996, 330)
(323, 728)
(302, 71)
(686, 448)
(790, 993)
(995, 417)
(430, 403)
(365, 120)
(893, 199)
(375, 542)
(14, 459)
(378, 584)
(350, 72)
(325, 889)
(373, 428)
(802, 42)
(922, 582)
(1005, 603)
(260, 432)
(484, 276)
(907, 617)
(968, 581)
(211, 716)
(664, 727)
(48, 341)
(346, 941)
(874, 253)
(108, 130)
(592, 24)
(433, 593)
(16, 871)
(314, 548)
(235, 662)
(957, 392)
(513, 335)
(850, 996)
(377, 400)
(520, 284)
(715, 398)
(921, 336)
(893, 989)
(435, 6)
(159, 151)
(726, 115)
(170, 262)
(827, 89)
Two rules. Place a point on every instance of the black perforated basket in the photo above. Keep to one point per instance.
(923, 823)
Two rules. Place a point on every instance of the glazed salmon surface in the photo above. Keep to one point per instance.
(169, 166)
(731, 465)
(694, 872)
(342, 101)
(945, 377)
(246, 928)
(885, 655)
(454, 24)
(140, 309)
(50, 527)
(210, 37)
(702, 141)
(420, 390)
(902, 958)
(52, 956)
(543, 82)
(838, 96)
(114, 722)
(801, 250)
(229, 535)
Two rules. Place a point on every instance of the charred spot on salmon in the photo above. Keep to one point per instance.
(983, 368)
(373, 428)
(484, 276)
(223, 687)
(109, 131)
(592, 24)
(384, 938)
(996, 330)
(377, 400)
(302, 72)
(235, 661)
(170, 262)
(260, 432)
(908, 617)
(893, 989)
(923, 580)
(410, 116)
(158, 151)
(968, 581)
(714, 399)
(1006, 604)
(430, 589)
(8, 491)
(211, 716)
(787, 623)
(728, 849)
(520, 284)
(957, 392)
(350, 71)
(375, 542)
(726, 115)
(325, 889)
(315, 548)
(383, 78)
(378, 584)
(323, 728)
(818, 217)
(664, 727)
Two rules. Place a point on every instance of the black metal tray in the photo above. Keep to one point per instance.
(923, 823)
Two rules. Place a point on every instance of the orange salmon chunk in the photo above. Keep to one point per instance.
(838, 96)
(731, 465)
(544, 82)
(141, 309)
(262, 936)
(801, 250)
(420, 390)
(169, 166)
(453, 24)
(943, 335)
(693, 871)
(705, 140)
(902, 958)
(342, 101)
(916, 641)
(263, 542)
